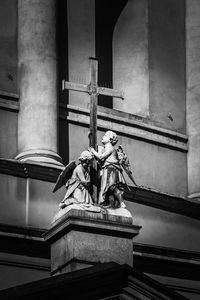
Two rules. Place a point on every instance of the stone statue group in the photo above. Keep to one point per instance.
(112, 162)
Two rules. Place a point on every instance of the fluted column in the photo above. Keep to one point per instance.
(193, 95)
(37, 124)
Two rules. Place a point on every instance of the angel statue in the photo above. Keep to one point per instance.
(112, 162)
(77, 181)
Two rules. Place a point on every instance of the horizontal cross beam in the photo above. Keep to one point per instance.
(67, 85)
(87, 89)
(110, 92)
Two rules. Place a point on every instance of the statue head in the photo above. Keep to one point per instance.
(111, 137)
(85, 156)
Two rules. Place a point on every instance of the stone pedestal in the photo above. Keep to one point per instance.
(37, 120)
(81, 239)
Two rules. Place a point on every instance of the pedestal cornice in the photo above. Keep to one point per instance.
(92, 222)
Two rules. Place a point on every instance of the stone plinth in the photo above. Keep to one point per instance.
(81, 239)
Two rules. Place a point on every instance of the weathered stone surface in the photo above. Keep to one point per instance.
(193, 95)
(166, 45)
(80, 239)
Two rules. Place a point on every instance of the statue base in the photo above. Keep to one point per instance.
(121, 212)
(81, 238)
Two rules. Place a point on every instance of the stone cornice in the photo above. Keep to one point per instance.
(25, 261)
(85, 221)
(28, 233)
(19, 240)
(29, 170)
(171, 203)
(128, 125)
(166, 254)
(166, 261)
(144, 196)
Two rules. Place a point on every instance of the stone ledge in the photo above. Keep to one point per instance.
(19, 240)
(166, 261)
(128, 125)
(34, 170)
(27, 233)
(168, 254)
(24, 261)
(171, 203)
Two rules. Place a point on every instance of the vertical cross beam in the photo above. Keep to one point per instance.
(93, 102)
(92, 90)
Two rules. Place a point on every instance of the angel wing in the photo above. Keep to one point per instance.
(124, 162)
(65, 175)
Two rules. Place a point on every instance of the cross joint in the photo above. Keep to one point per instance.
(92, 88)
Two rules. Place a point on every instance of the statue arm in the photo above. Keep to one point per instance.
(104, 155)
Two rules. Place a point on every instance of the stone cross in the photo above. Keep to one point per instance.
(93, 90)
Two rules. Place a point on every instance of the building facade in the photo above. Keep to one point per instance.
(149, 50)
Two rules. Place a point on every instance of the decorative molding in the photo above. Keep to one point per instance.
(35, 170)
(166, 254)
(4, 94)
(22, 261)
(40, 156)
(171, 203)
(28, 233)
(128, 125)
(86, 221)
(18, 240)
(164, 261)
(9, 101)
